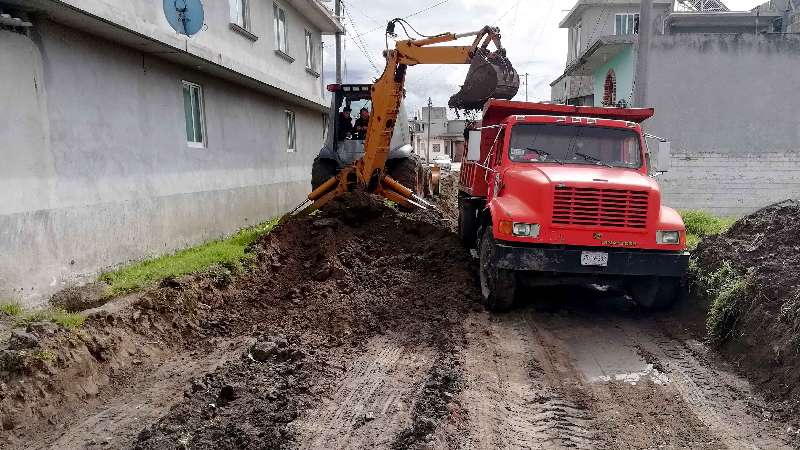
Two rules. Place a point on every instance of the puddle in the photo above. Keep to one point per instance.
(649, 373)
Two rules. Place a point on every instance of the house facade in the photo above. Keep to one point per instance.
(446, 135)
(124, 139)
(721, 85)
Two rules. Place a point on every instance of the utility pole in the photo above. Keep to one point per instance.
(642, 53)
(338, 12)
(526, 86)
(428, 149)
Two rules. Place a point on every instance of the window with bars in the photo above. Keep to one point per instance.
(281, 43)
(291, 131)
(626, 24)
(193, 112)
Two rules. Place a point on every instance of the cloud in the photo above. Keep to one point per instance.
(530, 31)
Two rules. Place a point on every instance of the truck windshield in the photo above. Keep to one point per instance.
(569, 144)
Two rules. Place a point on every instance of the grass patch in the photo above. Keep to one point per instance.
(11, 308)
(726, 290)
(227, 252)
(67, 320)
(700, 224)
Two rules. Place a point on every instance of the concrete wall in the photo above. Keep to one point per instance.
(96, 170)
(623, 65)
(219, 44)
(729, 105)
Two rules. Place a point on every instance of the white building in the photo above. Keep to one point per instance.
(446, 136)
(124, 139)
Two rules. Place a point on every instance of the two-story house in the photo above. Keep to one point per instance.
(122, 138)
(600, 55)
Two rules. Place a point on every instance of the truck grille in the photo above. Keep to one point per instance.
(600, 207)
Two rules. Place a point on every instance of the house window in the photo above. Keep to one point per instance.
(626, 24)
(577, 36)
(240, 13)
(610, 89)
(280, 28)
(193, 110)
(291, 132)
(310, 65)
(437, 148)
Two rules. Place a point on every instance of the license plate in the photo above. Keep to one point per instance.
(594, 259)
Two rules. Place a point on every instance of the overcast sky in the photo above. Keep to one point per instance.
(529, 28)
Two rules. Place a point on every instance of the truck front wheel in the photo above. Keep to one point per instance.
(498, 286)
(656, 293)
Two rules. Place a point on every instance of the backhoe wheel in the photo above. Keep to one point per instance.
(656, 293)
(322, 170)
(410, 172)
(498, 286)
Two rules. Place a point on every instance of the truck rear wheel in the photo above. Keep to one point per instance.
(656, 293)
(410, 172)
(322, 170)
(498, 286)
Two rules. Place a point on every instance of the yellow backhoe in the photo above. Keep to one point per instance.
(490, 76)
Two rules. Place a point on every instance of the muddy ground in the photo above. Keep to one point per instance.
(360, 327)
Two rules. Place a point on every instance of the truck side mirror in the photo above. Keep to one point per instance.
(664, 157)
(474, 147)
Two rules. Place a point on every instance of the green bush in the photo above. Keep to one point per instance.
(228, 252)
(726, 289)
(700, 224)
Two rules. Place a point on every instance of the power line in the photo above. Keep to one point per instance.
(360, 44)
(381, 27)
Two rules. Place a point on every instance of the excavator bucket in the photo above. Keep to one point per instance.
(490, 75)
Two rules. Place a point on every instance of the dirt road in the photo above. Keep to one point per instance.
(376, 340)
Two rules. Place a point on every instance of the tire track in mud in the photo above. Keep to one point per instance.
(371, 401)
(116, 424)
(720, 399)
(518, 391)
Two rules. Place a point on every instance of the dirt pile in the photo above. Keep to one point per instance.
(751, 274)
(447, 200)
(318, 288)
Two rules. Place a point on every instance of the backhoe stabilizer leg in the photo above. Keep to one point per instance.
(407, 193)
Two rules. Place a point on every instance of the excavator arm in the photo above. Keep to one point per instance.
(490, 76)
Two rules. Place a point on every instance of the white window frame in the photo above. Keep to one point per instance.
(291, 130)
(237, 8)
(201, 110)
(311, 62)
(281, 40)
(630, 21)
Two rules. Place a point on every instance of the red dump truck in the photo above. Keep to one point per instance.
(559, 194)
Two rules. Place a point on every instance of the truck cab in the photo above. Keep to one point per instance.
(559, 194)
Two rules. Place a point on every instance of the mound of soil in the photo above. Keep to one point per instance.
(447, 200)
(764, 249)
(318, 286)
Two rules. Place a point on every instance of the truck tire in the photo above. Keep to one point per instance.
(656, 293)
(322, 170)
(498, 286)
(468, 223)
(411, 173)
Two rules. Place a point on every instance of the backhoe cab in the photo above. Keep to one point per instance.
(348, 168)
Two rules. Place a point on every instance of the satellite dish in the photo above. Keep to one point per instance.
(184, 16)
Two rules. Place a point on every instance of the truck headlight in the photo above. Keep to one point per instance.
(526, 229)
(668, 237)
